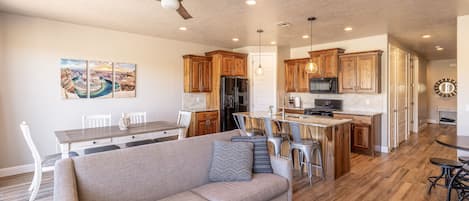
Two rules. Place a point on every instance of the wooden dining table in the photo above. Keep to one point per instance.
(453, 141)
(78, 139)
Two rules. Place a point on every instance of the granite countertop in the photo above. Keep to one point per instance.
(199, 109)
(307, 120)
(359, 113)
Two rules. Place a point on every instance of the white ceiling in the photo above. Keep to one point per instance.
(215, 22)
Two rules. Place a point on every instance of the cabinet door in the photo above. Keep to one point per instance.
(347, 74)
(227, 65)
(361, 136)
(195, 75)
(302, 78)
(329, 64)
(290, 73)
(318, 61)
(240, 66)
(367, 73)
(206, 76)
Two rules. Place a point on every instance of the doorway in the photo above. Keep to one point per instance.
(264, 86)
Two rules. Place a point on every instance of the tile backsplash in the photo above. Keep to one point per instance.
(351, 102)
(194, 100)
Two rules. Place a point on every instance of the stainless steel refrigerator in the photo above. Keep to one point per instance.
(234, 97)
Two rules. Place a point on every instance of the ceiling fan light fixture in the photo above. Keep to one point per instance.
(170, 4)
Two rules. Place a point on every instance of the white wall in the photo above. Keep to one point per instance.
(463, 72)
(31, 86)
(355, 102)
(436, 70)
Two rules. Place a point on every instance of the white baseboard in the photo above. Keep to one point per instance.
(16, 170)
(432, 121)
(384, 149)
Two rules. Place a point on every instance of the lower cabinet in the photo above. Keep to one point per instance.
(204, 123)
(366, 132)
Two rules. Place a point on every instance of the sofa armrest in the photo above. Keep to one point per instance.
(282, 167)
(65, 184)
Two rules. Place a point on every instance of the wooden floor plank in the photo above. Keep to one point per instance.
(401, 175)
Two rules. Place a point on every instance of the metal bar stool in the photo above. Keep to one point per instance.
(240, 123)
(447, 167)
(306, 150)
(275, 140)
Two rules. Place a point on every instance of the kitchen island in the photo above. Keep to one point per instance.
(333, 134)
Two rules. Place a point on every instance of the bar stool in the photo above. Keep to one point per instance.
(447, 167)
(306, 150)
(240, 123)
(275, 140)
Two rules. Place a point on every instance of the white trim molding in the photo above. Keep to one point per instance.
(384, 149)
(10, 171)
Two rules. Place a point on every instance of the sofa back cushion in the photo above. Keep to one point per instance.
(148, 172)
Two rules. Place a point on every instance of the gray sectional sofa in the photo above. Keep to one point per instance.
(169, 171)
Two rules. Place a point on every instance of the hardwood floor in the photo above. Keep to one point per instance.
(401, 175)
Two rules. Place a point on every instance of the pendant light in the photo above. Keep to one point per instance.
(311, 67)
(259, 70)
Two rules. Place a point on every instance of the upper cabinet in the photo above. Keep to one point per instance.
(360, 72)
(232, 63)
(327, 61)
(296, 78)
(197, 73)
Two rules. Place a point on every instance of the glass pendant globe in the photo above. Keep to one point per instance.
(311, 67)
(259, 70)
(170, 4)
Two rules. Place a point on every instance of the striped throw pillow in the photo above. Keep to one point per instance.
(261, 153)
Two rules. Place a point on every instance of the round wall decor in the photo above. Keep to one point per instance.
(446, 87)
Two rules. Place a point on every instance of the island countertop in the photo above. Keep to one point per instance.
(307, 120)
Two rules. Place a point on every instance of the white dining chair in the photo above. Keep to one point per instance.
(95, 121)
(40, 165)
(136, 117)
(184, 119)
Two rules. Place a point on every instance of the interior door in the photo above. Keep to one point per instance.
(264, 87)
(401, 96)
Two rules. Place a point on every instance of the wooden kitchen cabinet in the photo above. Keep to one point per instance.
(327, 61)
(203, 123)
(360, 72)
(232, 63)
(296, 78)
(366, 132)
(197, 73)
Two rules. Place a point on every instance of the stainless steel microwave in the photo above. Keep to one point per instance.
(323, 85)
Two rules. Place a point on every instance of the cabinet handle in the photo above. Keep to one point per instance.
(133, 136)
(94, 142)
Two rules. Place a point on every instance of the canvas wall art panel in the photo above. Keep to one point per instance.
(125, 80)
(73, 78)
(100, 79)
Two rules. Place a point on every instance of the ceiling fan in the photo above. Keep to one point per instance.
(176, 5)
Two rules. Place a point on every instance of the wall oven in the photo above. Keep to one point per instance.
(323, 85)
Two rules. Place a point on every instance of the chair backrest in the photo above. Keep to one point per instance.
(94, 121)
(268, 127)
(136, 117)
(29, 141)
(184, 119)
(295, 132)
(239, 120)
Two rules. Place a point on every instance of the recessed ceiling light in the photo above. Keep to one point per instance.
(426, 36)
(251, 2)
(348, 29)
(183, 28)
(440, 48)
(305, 36)
(273, 43)
(235, 39)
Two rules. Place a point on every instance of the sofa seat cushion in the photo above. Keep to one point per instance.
(262, 187)
(186, 196)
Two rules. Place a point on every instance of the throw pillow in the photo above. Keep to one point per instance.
(231, 161)
(261, 152)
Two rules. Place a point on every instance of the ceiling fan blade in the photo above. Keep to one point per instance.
(183, 12)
